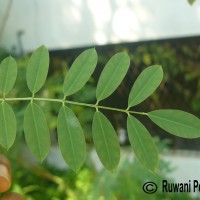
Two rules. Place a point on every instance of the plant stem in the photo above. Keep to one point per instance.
(73, 103)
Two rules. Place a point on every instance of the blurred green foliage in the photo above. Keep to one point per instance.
(3, 53)
(48, 183)
(191, 1)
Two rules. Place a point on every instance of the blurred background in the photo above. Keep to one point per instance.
(152, 32)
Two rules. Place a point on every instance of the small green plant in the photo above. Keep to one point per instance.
(70, 134)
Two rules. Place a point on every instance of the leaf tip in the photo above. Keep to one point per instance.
(95, 53)
(7, 147)
(159, 67)
(42, 46)
(91, 50)
(154, 170)
(10, 57)
(75, 169)
(41, 158)
(125, 53)
(94, 49)
(191, 2)
(113, 170)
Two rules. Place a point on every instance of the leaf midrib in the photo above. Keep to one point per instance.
(6, 77)
(37, 135)
(38, 69)
(107, 149)
(77, 77)
(107, 84)
(5, 125)
(146, 154)
(70, 138)
(141, 90)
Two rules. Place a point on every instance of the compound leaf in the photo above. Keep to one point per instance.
(71, 139)
(142, 144)
(112, 75)
(177, 122)
(80, 71)
(8, 125)
(37, 69)
(145, 84)
(105, 141)
(36, 131)
(8, 74)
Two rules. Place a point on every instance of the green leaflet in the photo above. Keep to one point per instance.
(105, 141)
(8, 127)
(145, 84)
(36, 131)
(8, 74)
(177, 122)
(71, 139)
(142, 144)
(112, 75)
(37, 69)
(80, 71)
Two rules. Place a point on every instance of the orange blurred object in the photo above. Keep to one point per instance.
(5, 174)
(13, 196)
